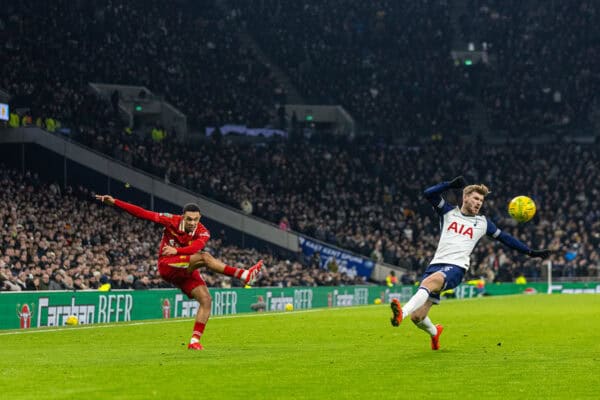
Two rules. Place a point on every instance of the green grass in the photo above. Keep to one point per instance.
(508, 347)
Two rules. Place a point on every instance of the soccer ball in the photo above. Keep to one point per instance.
(289, 307)
(521, 208)
(377, 301)
(72, 320)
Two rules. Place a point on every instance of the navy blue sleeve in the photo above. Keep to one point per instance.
(506, 239)
(434, 195)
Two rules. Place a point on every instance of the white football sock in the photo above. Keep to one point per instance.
(427, 326)
(415, 302)
(244, 275)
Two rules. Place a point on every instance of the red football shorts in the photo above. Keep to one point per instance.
(173, 269)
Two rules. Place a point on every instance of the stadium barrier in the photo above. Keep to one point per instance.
(51, 308)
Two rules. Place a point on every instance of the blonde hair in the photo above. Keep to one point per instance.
(481, 189)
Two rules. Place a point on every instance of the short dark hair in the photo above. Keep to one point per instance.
(191, 207)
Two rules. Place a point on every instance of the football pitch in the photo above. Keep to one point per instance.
(510, 347)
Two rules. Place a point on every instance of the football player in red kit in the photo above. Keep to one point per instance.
(180, 255)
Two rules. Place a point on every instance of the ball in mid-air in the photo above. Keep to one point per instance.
(289, 307)
(521, 208)
(72, 320)
(377, 301)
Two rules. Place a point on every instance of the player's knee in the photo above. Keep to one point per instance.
(434, 282)
(198, 259)
(206, 258)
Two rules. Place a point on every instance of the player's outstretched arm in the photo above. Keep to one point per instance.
(434, 193)
(513, 242)
(494, 232)
(130, 208)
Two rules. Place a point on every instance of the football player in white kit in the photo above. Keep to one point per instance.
(461, 229)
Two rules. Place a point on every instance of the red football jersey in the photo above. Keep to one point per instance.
(174, 234)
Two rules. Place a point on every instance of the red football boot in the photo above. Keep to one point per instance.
(397, 312)
(253, 273)
(435, 340)
(195, 346)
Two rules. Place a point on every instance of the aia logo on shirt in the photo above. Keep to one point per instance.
(461, 229)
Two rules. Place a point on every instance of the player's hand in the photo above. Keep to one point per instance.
(457, 183)
(169, 251)
(540, 253)
(105, 198)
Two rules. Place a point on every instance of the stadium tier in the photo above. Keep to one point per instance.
(60, 239)
(390, 66)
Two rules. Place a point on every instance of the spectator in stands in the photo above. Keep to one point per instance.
(56, 283)
(142, 283)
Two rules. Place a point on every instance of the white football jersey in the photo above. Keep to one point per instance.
(459, 235)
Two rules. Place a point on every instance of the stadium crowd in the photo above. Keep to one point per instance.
(190, 54)
(387, 62)
(60, 239)
(545, 57)
(361, 193)
(365, 196)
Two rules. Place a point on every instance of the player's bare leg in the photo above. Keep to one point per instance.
(432, 284)
(421, 320)
(201, 294)
(204, 259)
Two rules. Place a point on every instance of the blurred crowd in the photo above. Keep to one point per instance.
(365, 196)
(60, 239)
(387, 62)
(187, 52)
(545, 61)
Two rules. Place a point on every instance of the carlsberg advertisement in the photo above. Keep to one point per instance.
(26, 310)
(40, 309)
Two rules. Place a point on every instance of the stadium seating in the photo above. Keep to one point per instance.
(387, 62)
(58, 239)
(376, 59)
(190, 54)
(544, 57)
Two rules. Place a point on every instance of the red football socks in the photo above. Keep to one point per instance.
(233, 271)
(198, 329)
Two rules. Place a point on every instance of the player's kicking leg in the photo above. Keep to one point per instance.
(204, 259)
(430, 287)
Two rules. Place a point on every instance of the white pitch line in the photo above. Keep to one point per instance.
(165, 321)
